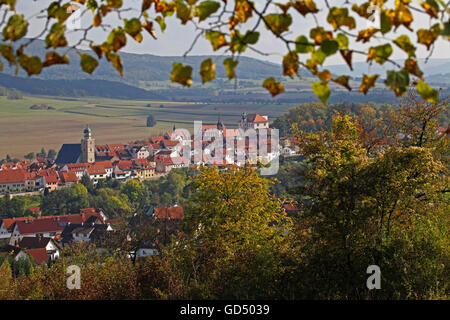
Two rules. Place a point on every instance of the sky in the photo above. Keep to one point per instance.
(177, 38)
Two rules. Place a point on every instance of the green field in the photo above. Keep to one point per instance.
(23, 130)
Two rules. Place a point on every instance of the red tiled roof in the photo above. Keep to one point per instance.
(13, 176)
(96, 169)
(256, 118)
(68, 176)
(40, 255)
(105, 164)
(175, 212)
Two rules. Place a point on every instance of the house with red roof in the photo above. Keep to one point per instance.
(172, 212)
(40, 255)
(19, 180)
(253, 121)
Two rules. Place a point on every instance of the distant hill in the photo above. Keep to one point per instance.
(76, 88)
(431, 68)
(147, 67)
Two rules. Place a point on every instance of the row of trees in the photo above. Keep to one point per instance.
(42, 154)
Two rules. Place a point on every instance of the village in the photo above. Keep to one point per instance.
(145, 160)
(41, 238)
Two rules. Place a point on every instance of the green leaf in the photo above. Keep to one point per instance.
(322, 91)
(207, 70)
(397, 81)
(273, 86)
(181, 74)
(230, 65)
(385, 22)
(446, 31)
(318, 56)
(302, 45)
(88, 63)
(427, 93)
(161, 22)
(342, 39)
(206, 8)
(183, 11)
(329, 47)
(251, 37)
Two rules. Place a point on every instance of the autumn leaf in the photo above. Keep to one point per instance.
(117, 39)
(278, 23)
(404, 43)
(428, 37)
(32, 65)
(347, 55)
(16, 28)
(207, 70)
(412, 67)
(290, 64)
(181, 74)
(88, 63)
(8, 53)
(343, 81)
(133, 28)
(116, 61)
(97, 20)
(368, 82)
(338, 17)
(230, 65)
(217, 39)
(324, 76)
(305, 6)
(52, 58)
(431, 7)
(56, 38)
(149, 27)
(273, 86)
(319, 34)
(380, 53)
(366, 34)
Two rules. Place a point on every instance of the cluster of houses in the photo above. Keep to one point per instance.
(42, 238)
(149, 159)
